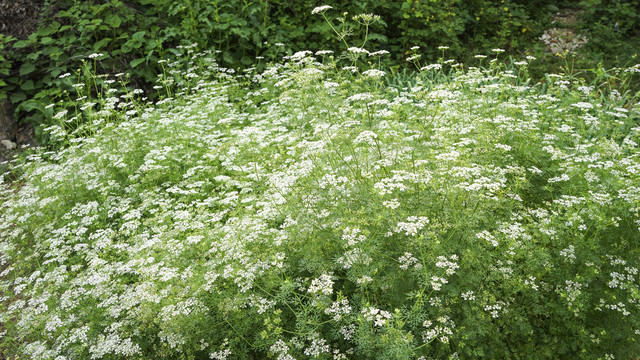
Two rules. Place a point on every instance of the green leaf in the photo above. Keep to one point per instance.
(33, 55)
(48, 30)
(21, 44)
(151, 45)
(101, 43)
(27, 68)
(18, 97)
(53, 51)
(139, 36)
(47, 94)
(30, 106)
(69, 39)
(136, 62)
(28, 85)
(127, 47)
(113, 20)
(61, 59)
(46, 40)
(227, 57)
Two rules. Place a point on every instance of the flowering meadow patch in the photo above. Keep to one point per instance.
(311, 212)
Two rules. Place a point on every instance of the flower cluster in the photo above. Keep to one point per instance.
(379, 317)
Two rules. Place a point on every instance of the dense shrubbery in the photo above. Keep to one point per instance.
(613, 27)
(133, 35)
(608, 13)
(308, 210)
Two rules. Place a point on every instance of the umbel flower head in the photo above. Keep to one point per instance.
(321, 9)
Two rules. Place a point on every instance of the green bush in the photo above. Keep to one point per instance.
(608, 13)
(5, 64)
(71, 31)
(239, 28)
(467, 27)
(612, 27)
(133, 35)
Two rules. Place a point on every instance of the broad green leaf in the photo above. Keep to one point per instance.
(46, 40)
(70, 39)
(128, 46)
(151, 44)
(139, 36)
(18, 97)
(30, 106)
(33, 55)
(48, 30)
(136, 62)
(53, 50)
(21, 44)
(27, 68)
(101, 43)
(28, 85)
(113, 20)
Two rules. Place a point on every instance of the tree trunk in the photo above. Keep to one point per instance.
(7, 122)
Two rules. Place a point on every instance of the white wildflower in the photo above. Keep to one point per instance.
(407, 260)
(449, 264)
(379, 317)
(338, 309)
(468, 296)
(583, 105)
(317, 347)
(391, 204)
(437, 282)
(323, 284)
(431, 67)
(379, 53)
(347, 331)
(374, 73)
(412, 225)
(321, 9)
(357, 50)
(352, 236)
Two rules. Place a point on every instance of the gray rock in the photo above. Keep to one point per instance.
(8, 144)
